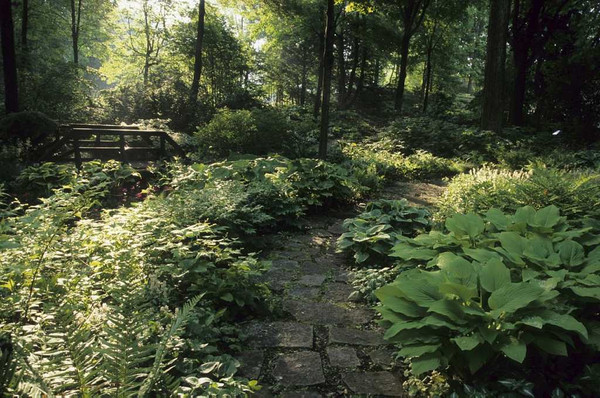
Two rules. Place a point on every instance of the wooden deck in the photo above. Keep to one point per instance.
(80, 143)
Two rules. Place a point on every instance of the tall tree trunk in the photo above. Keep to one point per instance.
(319, 94)
(304, 77)
(376, 77)
(198, 53)
(327, 68)
(427, 80)
(492, 113)
(75, 24)
(341, 66)
(518, 96)
(11, 93)
(403, 69)
(24, 25)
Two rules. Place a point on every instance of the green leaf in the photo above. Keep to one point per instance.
(494, 275)
(409, 252)
(467, 343)
(465, 224)
(513, 243)
(546, 217)
(515, 350)
(591, 292)
(425, 363)
(417, 350)
(497, 218)
(511, 297)
(550, 345)
(571, 253)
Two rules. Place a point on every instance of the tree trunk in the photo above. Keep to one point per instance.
(317, 106)
(198, 53)
(518, 97)
(24, 25)
(327, 67)
(75, 23)
(304, 78)
(492, 114)
(341, 67)
(403, 69)
(427, 82)
(11, 97)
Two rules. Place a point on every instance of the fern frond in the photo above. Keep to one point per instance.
(181, 318)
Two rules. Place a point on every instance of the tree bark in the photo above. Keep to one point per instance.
(11, 92)
(427, 80)
(413, 13)
(341, 66)
(198, 53)
(24, 25)
(492, 114)
(402, 75)
(317, 106)
(327, 68)
(75, 24)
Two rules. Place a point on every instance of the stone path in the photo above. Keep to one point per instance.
(323, 345)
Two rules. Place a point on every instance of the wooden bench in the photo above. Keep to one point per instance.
(80, 143)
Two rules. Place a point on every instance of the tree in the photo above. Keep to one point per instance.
(198, 53)
(327, 69)
(493, 86)
(412, 13)
(75, 27)
(11, 97)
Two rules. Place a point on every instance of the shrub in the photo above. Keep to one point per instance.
(373, 233)
(33, 126)
(374, 163)
(577, 193)
(258, 132)
(493, 289)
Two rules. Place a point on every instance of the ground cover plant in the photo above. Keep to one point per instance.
(143, 298)
(371, 235)
(494, 292)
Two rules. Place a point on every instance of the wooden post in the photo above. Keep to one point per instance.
(77, 152)
(122, 143)
(162, 146)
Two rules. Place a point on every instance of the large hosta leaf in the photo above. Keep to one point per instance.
(467, 343)
(465, 224)
(571, 253)
(494, 275)
(511, 297)
(546, 217)
(515, 350)
(425, 363)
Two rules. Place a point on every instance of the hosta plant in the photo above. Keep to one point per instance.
(494, 289)
(373, 233)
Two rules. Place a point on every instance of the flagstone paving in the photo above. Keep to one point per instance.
(325, 344)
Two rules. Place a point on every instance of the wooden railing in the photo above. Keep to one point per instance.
(84, 142)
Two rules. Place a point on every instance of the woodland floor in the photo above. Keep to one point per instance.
(322, 343)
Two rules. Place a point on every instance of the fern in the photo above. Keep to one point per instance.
(160, 367)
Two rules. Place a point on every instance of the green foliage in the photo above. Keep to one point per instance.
(259, 132)
(372, 234)
(577, 193)
(497, 288)
(33, 126)
(377, 162)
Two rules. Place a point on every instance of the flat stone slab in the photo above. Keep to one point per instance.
(299, 369)
(382, 357)
(312, 280)
(290, 255)
(284, 265)
(279, 334)
(312, 267)
(343, 357)
(355, 337)
(304, 293)
(250, 363)
(376, 383)
(337, 292)
(344, 276)
(327, 313)
(276, 279)
(301, 394)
